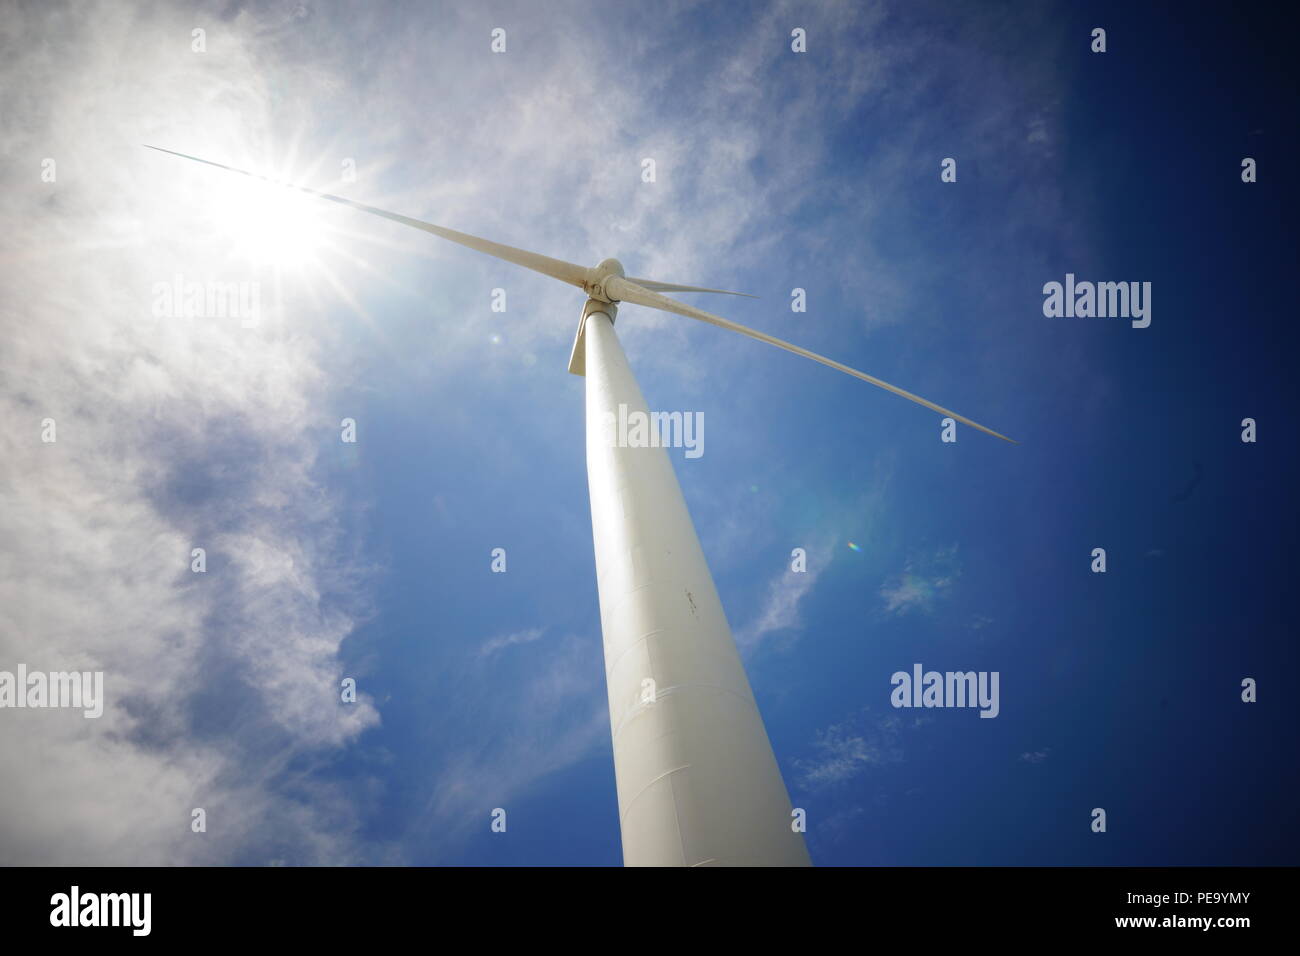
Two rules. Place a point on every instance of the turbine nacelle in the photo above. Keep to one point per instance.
(598, 278)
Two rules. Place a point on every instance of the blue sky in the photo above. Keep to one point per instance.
(775, 170)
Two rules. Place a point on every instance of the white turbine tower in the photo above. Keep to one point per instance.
(697, 781)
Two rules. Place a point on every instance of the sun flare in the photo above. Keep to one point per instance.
(271, 224)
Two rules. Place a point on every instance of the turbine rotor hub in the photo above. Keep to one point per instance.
(598, 276)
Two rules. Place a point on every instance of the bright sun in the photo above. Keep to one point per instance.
(271, 224)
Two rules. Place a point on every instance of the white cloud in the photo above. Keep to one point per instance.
(843, 751)
(785, 591)
(923, 583)
(494, 644)
(171, 434)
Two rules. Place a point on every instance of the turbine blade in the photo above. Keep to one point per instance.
(555, 268)
(654, 286)
(625, 290)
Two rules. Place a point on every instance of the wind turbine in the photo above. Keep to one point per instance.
(697, 781)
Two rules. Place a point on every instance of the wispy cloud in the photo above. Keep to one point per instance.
(223, 687)
(922, 584)
(844, 750)
(550, 715)
(785, 591)
(501, 642)
(1036, 756)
